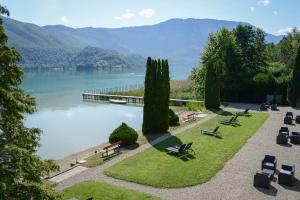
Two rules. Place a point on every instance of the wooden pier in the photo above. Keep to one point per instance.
(91, 96)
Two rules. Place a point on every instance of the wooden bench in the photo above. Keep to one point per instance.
(189, 117)
(111, 149)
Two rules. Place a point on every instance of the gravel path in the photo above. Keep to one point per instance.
(235, 180)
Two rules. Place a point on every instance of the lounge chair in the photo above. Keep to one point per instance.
(286, 175)
(289, 114)
(262, 179)
(295, 138)
(284, 130)
(269, 162)
(288, 120)
(230, 121)
(243, 113)
(263, 107)
(274, 106)
(177, 149)
(188, 148)
(215, 132)
(298, 119)
(282, 139)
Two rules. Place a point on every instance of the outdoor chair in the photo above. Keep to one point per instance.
(269, 162)
(284, 130)
(90, 198)
(243, 113)
(282, 139)
(177, 149)
(274, 106)
(289, 114)
(188, 148)
(295, 138)
(215, 132)
(288, 120)
(286, 175)
(230, 121)
(262, 179)
(298, 119)
(263, 107)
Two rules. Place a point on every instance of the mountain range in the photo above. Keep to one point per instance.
(179, 40)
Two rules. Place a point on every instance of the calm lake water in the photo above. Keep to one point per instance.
(70, 125)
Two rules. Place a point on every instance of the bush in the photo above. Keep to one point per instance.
(126, 134)
(194, 106)
(173, 118)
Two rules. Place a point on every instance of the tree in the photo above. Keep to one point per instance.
(211, 87)
(294, 93)
(156, 97)
(21, 168)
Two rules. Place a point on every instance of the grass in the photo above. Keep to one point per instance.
(156, 168)
(93, 161)
(103, 191)
(180, 89)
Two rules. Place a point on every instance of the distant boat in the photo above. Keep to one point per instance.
(117, 101)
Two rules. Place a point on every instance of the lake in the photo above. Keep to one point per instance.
(70, 125)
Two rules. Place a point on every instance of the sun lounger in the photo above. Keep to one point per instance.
(230, 121)
(243, 113)
(181, 150)
(215, 132)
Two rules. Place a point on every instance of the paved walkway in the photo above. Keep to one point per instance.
(234, 181)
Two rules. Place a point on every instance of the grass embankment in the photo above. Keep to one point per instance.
(156, 168)
(93, 161)
(180, 89)
(103, 191)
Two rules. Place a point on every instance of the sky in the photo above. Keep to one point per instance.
(273, 16)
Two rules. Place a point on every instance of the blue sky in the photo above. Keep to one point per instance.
(274, 16)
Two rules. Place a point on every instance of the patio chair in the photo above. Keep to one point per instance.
(263, 107)
(215, 132)
(295, 138)
(262, 179)
(284, 130)
(288, 120)
(286, 175)
(282, 139)
(289, 114)
(243, 113)
(188, 148)
(269, 162)
(177, 149)
(298, 119)
(274, 106)
(230, 121)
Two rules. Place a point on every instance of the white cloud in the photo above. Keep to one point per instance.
(64, 19)
(147, 12)
(252, 8)
(275, 12)
(265, 2)
(285, 31)
(126, 15)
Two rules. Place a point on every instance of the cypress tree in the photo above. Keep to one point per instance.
(294, 93)
(156, 97)
(211, 88)
(147, 96)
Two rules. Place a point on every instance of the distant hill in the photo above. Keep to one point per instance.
(179, 40)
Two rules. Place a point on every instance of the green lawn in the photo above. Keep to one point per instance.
(156, 168)
(103, 191)
(93, 161)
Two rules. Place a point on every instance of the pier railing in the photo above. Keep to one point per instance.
(115, 90)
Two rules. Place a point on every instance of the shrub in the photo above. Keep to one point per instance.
(194, 106)
(124, 133)
(173, 118)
